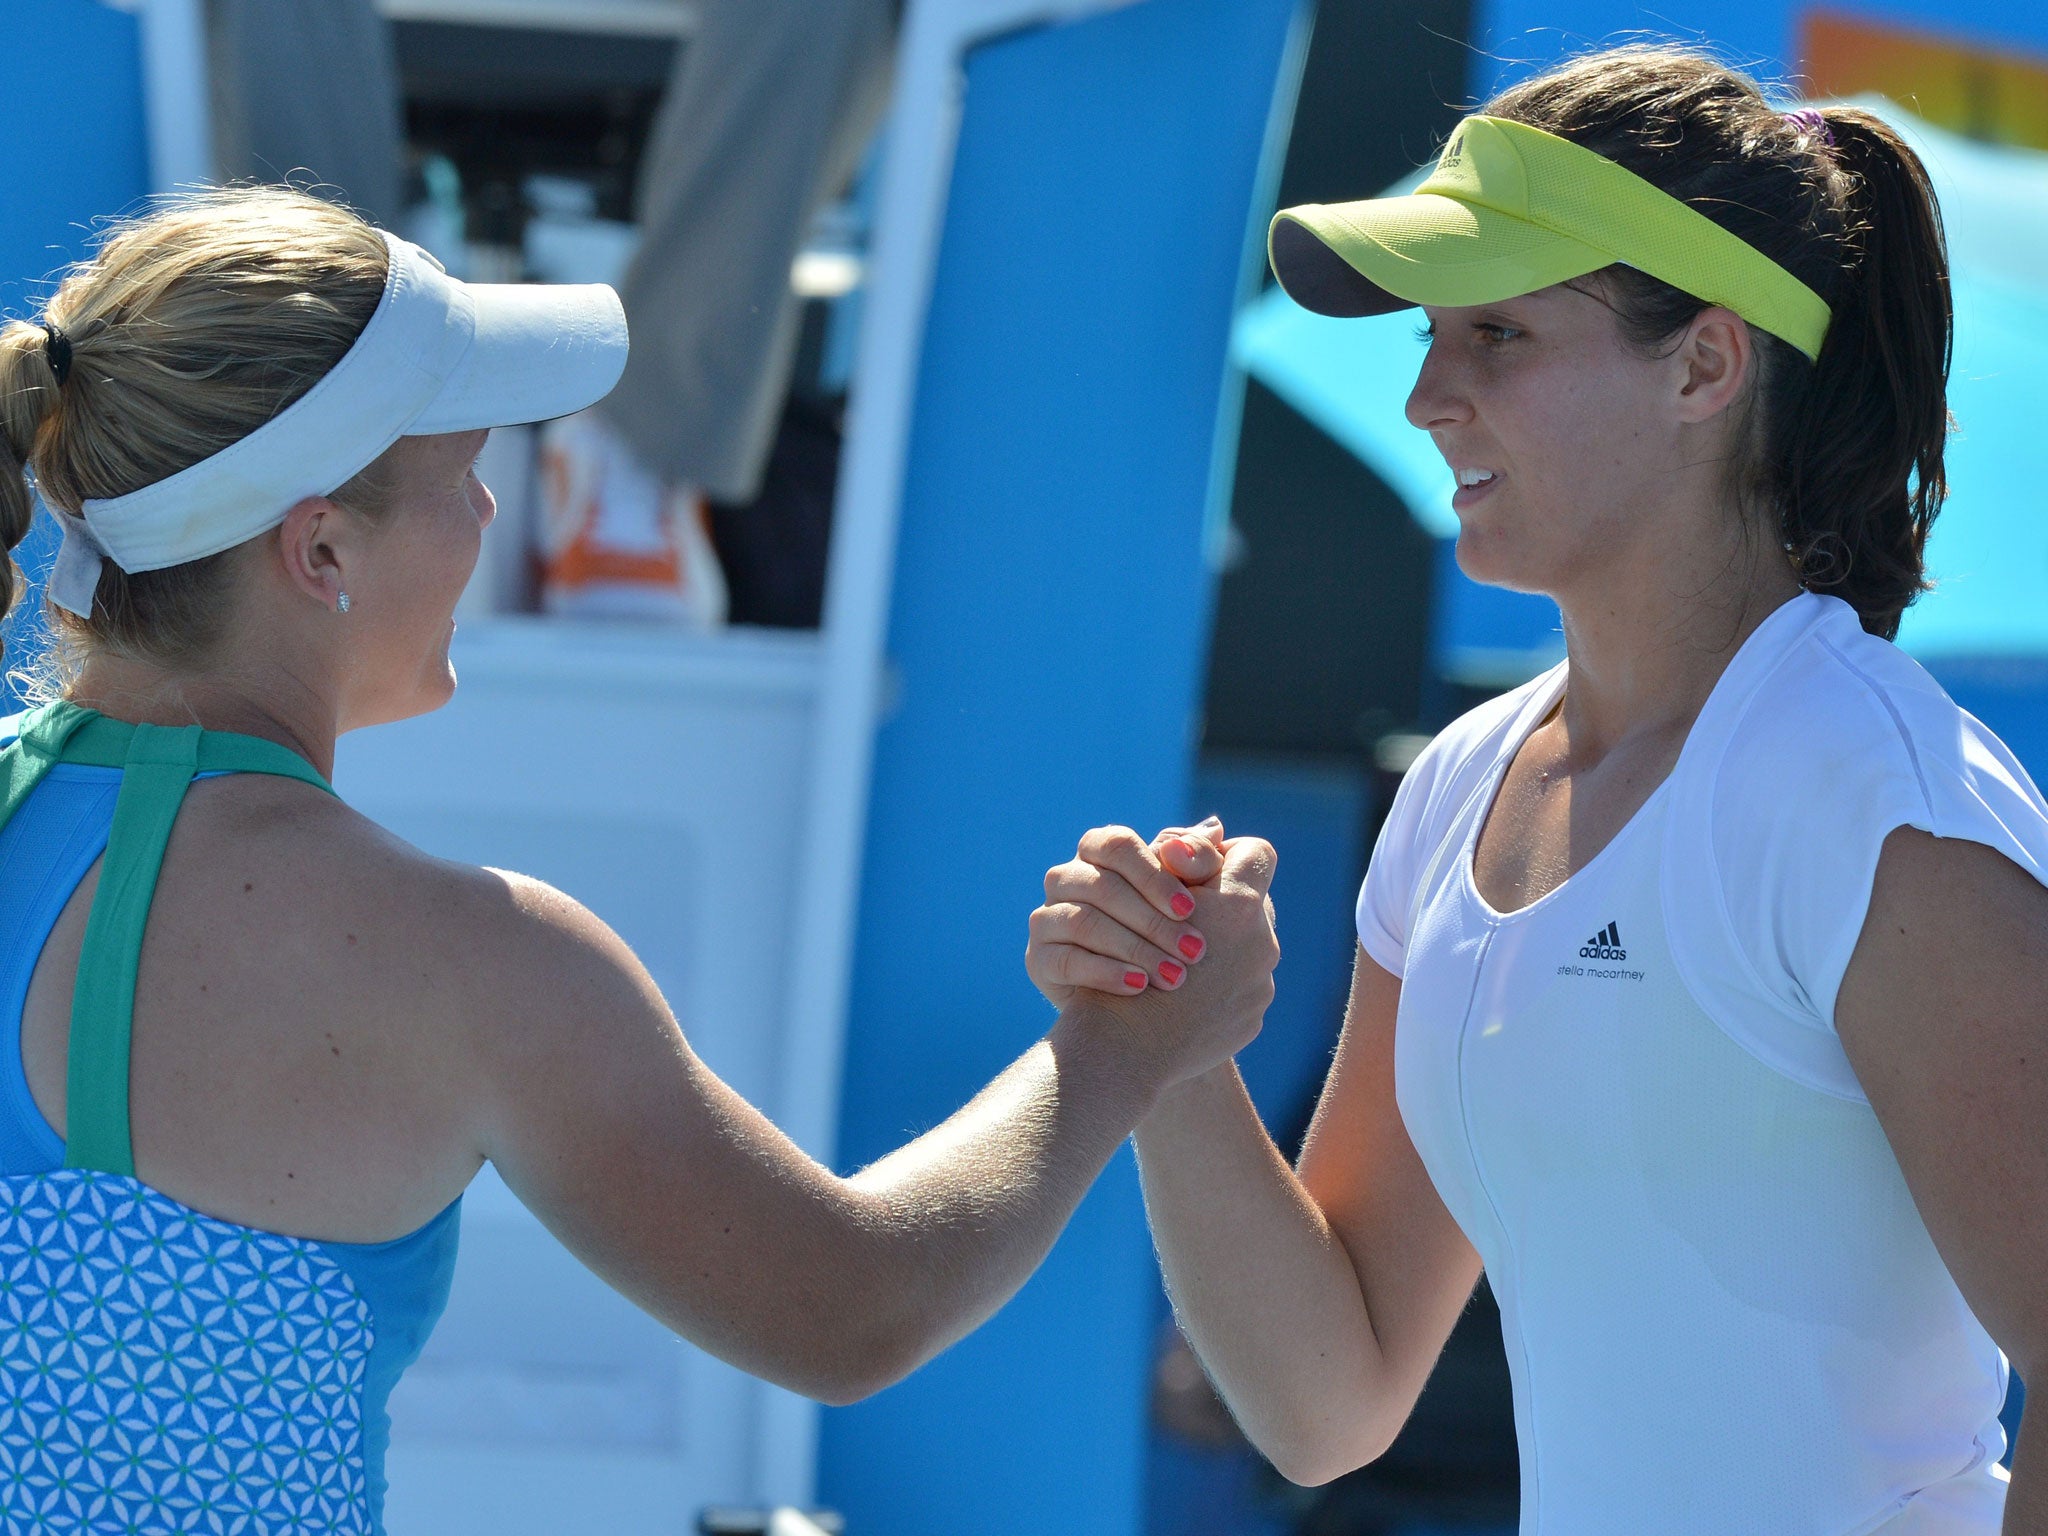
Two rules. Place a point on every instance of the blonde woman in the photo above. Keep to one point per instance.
(252, 1047)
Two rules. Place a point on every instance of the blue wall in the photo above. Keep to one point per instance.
(1514, 38)
(72, 139)
(1317, 816)
(1050, 619)
(74, 150)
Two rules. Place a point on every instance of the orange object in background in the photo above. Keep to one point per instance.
(614, 540)
(1972, 86)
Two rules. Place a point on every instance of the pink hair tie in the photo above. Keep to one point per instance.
(1809, 120)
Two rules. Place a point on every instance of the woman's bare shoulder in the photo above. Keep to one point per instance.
(397, 916)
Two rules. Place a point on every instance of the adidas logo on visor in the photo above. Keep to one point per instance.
(1604, 945)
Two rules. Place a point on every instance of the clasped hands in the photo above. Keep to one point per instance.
(1171, 942)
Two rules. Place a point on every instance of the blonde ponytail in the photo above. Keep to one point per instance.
(190, 327)
(28, 398)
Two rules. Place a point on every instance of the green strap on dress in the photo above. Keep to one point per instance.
(158, 763)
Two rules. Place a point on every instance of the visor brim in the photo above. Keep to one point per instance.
(541, 350)
(1388, 253)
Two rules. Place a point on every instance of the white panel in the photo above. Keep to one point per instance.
(175, 93)
(531, 1357)
(658, 778)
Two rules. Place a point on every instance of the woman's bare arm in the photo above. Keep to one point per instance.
(1318, 1300)
(1941, 1012)
(687, 1199)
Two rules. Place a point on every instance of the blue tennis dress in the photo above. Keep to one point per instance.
(160, 1369)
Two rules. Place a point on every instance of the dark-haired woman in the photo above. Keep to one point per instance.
(1702, 979)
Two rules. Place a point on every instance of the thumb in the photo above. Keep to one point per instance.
(1193, 855)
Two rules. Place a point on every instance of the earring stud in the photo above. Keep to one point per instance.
(342, 604)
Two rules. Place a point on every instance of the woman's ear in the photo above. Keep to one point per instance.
(316, 544)
(1717, 354)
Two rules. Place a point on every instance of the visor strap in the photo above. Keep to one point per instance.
(80, 559)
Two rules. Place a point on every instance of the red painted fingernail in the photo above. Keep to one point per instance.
(1170, 972)
(1183, 904)
(1183, 846)
(1191, 946)
(1134, 978)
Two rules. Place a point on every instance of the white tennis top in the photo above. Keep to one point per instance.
(1722, 1312)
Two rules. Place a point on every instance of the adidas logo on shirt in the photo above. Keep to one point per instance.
(1604, 945)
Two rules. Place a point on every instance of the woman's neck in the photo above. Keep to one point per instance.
(1647, 647)
(271, 704)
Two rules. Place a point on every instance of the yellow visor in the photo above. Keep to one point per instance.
(1510, 209)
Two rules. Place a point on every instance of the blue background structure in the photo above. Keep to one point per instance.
(80, 152)
(1515, 38)
(1049, 628)
(75, 139)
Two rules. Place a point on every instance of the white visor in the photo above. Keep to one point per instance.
(438, 355)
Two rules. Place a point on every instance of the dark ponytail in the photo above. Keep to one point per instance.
(1855, 458)
(1844, 453)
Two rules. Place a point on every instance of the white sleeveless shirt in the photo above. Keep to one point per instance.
(1722, 1311)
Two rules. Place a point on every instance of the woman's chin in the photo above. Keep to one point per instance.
(1481, 559)
(1491, 561)
(440, 688)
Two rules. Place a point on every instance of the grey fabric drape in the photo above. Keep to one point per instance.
(308, 86)
(766, 117)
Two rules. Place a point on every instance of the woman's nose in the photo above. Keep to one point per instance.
(1436, 400)
(486, 505)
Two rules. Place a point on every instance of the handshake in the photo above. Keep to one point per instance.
(1167, 946)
